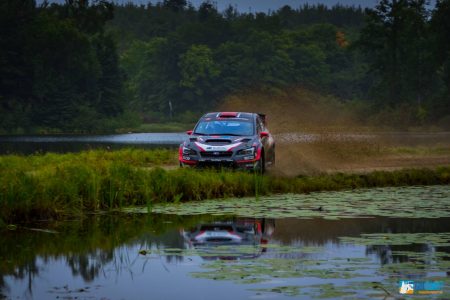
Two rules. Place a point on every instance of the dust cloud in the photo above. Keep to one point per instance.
(320, 134)
(294, 110)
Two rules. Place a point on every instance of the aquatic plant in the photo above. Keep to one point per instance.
(400, 202)
(277, 268)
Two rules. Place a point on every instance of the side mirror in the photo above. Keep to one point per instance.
(263, 134)
(189, 132)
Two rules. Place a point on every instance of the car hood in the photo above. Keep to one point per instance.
(219, 143)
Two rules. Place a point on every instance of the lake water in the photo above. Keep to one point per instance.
(216, 254)
(75, 143)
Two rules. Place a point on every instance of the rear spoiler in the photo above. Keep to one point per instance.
(263, 118)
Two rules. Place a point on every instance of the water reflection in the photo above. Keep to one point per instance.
(237, 232)
(96, 251)
(84, 246)
(321, 231)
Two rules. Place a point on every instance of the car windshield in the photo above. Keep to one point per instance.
(225, 127)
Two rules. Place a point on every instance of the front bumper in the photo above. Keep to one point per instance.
(220, 159)
(218, 163)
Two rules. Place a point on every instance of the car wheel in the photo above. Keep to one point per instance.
(261, 164)
(273, 156)
(272, 159)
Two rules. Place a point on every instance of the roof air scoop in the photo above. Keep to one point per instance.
(228, 115)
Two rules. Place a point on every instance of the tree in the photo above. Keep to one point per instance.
(310, 66)
(233, 59)
(56, 64)
(88, 17)
(65, 71)
(440, 28)
(199, 74)
(16, 64)
(156, 76)
(175, 5)
(269, 62)
(207, 10)
(110, 92)
(394, 40)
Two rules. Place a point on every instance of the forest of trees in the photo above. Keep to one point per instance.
(58, 67)
(98, 66)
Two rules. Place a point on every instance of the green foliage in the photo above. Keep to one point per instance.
(187, 59)
(79, 66)
(54, 185)
(195, 58)
(198, 70)
(59, 69)
(406, 51)
(153, 73)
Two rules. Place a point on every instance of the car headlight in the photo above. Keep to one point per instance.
(249, 151)
(189, 151)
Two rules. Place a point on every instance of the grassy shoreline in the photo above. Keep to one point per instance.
(59, 185)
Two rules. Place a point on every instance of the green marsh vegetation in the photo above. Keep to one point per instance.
(58, 185)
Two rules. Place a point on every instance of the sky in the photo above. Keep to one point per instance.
(258, 5)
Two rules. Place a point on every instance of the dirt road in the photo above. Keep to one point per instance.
(359, 152)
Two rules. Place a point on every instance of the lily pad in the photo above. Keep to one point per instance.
(405, 202)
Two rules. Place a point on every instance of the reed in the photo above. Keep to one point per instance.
(57, 185)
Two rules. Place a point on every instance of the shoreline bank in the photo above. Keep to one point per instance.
(55, 186)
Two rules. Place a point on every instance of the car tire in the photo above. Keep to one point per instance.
(261, 164)
(273, 157)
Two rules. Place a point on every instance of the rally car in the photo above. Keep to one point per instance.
(229, 139)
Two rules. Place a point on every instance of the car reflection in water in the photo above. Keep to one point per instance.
(240, 238)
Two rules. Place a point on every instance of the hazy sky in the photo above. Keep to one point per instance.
(258, 5)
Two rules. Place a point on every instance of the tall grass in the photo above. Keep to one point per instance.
(55, 185)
